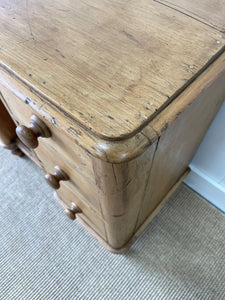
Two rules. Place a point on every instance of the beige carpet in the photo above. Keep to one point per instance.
(43, 255)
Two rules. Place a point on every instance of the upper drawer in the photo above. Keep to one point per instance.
(21, 112)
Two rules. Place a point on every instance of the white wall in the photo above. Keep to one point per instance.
(207, 176)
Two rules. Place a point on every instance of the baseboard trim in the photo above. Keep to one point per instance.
(206, 187)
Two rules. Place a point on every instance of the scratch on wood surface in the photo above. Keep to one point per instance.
(130, 36)
(41, 106)
(149, 140)
(28, 21)
(189, 14)
(60, 53)
(117, 216)
(148, 180)
(114, 174)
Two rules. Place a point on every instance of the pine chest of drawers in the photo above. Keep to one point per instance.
(111, 99)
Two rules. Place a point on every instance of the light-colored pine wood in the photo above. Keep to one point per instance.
(177, 145)
(122, 188)
(126, 93)
(131, 56)
(49, 158)
(158, 207)
(156, 171)
(77, 138)
(126, 247)
(21, 111)
(208, 12)
(65, 197)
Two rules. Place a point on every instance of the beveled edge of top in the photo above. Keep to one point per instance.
(122, 150)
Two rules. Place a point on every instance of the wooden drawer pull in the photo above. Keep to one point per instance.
(54, 179)
(29, 136)
(72, 211)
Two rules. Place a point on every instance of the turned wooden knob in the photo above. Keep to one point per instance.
(29, 136)
(54, 179)
(72, 211)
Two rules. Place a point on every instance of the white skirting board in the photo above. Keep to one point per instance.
(206, 187)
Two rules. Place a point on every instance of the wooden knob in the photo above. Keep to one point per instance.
(54, 179)
(29, 136)
(72, 211)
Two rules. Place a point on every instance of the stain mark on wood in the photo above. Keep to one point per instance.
(164, 127)
(110, 117)
(27, 100)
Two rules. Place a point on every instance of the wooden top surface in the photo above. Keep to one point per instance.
(111, 65)
(210, 12)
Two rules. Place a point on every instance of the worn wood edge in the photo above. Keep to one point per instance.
(140, 230)
(118, 152)
(51, 102)
(130, 148)
(190, 95)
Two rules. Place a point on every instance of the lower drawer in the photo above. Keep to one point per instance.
(49, 158)
(66, 197)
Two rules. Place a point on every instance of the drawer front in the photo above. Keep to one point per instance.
(60, 150)
(49, 158)
(66, 197)
(59, 140)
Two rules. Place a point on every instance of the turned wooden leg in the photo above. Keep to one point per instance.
(8, 131)
(14, 149)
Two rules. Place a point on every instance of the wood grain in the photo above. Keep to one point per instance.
(65, 197)
(21, 110)
(178, 143)
(122, 188)
(127, 94)
(208, 12)
(113, 72)
(180, 129)
(49, 158)
(79, 140)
